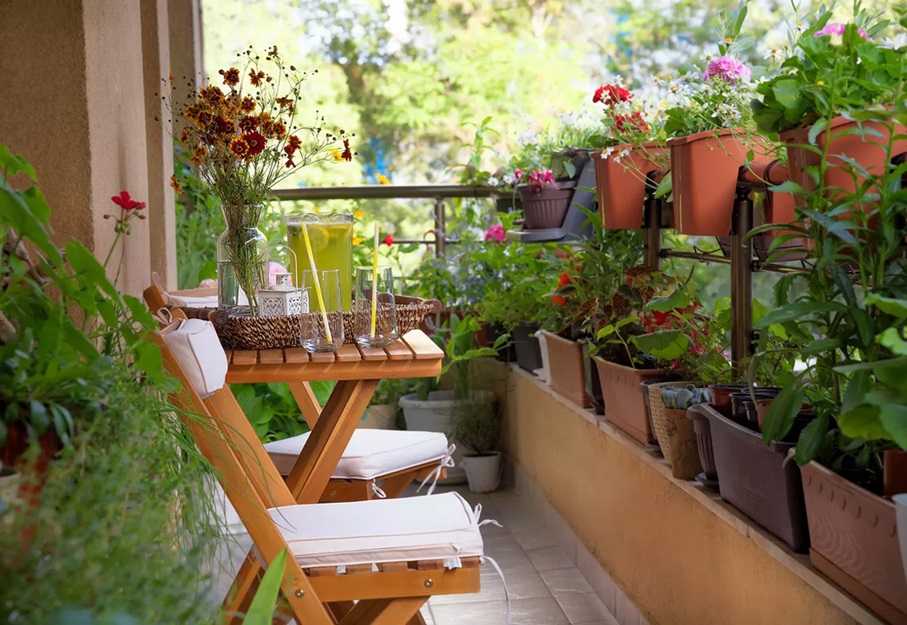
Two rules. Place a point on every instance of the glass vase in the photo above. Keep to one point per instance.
(242, 259)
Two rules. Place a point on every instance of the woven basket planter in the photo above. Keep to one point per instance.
(675, 434)
(547, 208)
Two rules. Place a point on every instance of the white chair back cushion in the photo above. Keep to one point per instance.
(382, 530)
(196, 347)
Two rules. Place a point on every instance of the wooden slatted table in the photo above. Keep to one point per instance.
(357, 371)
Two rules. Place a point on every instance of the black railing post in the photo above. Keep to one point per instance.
(652, 208)
(741, 282)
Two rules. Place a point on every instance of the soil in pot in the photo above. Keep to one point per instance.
(625, 404)
(483, 471)
(565, 369)
(756, 479)
(527, 348)
(853, 536)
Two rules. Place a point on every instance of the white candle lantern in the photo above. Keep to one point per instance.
(282, 299)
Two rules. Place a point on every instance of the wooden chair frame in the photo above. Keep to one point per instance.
(391, 596)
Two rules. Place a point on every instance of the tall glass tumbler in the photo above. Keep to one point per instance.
(321, 330)
(379, 328)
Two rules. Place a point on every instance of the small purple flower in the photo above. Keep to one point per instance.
(728, 69)
(837, 29)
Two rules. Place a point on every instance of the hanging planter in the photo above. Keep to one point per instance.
(704, 171)
(869, 150)
(621, 184)
(565, 366)
(854, 540)
(546, 208)
(625, 404)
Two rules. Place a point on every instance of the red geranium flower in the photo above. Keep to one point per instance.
(124, 201)
(388, 240)
(610, 94)
(634, 121)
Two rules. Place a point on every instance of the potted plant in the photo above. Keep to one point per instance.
(850, 314)
(672, 427)
(545, 201)
(477, 426)
(831, 101)
(633, 147)
(712, 136)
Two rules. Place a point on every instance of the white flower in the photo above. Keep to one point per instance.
(623, 154)
(509, 180)
(493, 181)
(898, 42)
(607, 152)
(773, 55)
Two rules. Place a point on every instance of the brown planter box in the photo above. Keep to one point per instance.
(621, 186)
(565, 368)
(704, 170)
(853, 536)
(547, 208)
(625, 404)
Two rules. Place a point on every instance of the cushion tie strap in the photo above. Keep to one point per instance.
(376, 490)
(500, 573)
(445, 463)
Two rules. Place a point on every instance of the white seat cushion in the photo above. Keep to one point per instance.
(370, 453)
(382, 530)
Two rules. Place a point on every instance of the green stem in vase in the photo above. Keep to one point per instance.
(243, 250)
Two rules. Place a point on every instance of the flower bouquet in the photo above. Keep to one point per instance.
(244, 139)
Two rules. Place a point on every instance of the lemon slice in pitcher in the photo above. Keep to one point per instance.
(318, 236)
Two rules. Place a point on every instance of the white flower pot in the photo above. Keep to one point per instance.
(900, 502)
(483, 472)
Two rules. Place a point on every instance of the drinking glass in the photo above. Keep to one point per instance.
(315, 336)
(331, 239)
(381, 292)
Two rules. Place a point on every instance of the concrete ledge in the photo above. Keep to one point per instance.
(673, 549)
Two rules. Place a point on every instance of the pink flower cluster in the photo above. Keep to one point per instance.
(837, 29)
(728, 69)
(496, 233)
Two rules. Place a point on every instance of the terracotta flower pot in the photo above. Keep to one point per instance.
(756, 480)
(721, 396)
(621, 185)
(854, 541)
(547, 208)
(625, 404)
(704, 171)
(868, 150)
(565, 365)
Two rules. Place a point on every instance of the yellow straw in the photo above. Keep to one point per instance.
(375, 283)
(324, 313)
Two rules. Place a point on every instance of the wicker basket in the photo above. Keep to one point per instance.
(675, 434)
(243, 332)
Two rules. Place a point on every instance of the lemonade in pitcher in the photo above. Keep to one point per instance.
(331, 237)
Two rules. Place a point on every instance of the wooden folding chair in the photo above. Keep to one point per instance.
(369, 562)
(376, 463)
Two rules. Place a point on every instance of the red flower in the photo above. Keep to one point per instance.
(559, 300)
(256, 142)
(632, 122)
(611, 94)
(223, 125)
(248, 123)
(388, 240)
(124, 201)
(563, 281)
(347, 154)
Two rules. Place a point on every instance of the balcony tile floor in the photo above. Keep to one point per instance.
(545, 587)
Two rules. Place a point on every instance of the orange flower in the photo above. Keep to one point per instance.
(256, 77)
(175, 185)
(247, 105)
(287, 104)
(212, 94)
(239, 147)
(294, 143)
(277, 129)
(231, 77)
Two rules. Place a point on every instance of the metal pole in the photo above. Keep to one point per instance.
(440, 228)
(741, 282)
(652, 215)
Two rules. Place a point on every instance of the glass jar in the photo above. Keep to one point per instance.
(331, 240)
(242, 259)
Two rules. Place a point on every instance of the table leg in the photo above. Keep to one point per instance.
(329, 438)
(307, 402)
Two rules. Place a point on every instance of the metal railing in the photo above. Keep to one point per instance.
(438, 193)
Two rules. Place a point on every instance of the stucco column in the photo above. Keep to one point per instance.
(72, 78)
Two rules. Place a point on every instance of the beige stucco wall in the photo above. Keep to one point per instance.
(72, 84)
(678, 561)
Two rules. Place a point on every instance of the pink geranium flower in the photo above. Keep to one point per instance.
(728, 69)
(496, 233)
(835, 29)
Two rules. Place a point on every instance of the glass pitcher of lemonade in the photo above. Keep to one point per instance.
(331, 238)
